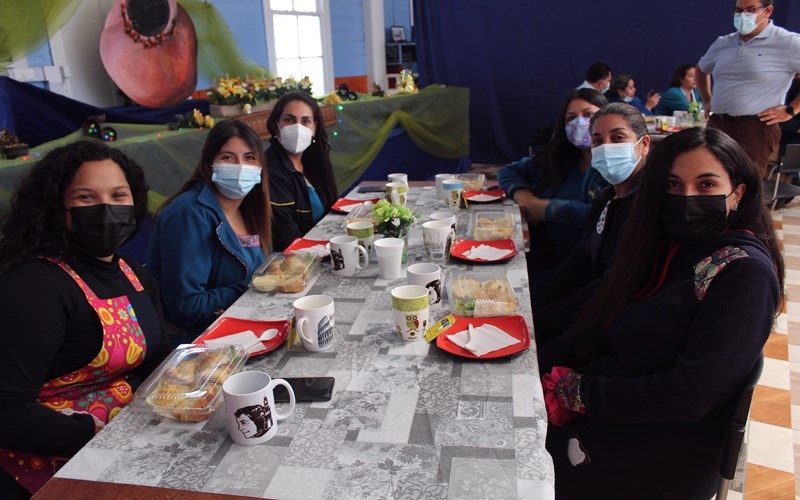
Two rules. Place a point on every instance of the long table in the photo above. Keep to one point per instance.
(407, 420)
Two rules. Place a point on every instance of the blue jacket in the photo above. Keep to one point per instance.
(674, 99)
(197, 259)
(566, 213)
(635, 102)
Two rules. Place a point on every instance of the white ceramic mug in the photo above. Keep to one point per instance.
(437, 238)
(440, 178)
(390, 257)
(364, 231)
(430, 276)
(451, 192)
(314, 321)
(398, 178)
(250, 406)
(411, 311)
(346, 254)
(448, 216)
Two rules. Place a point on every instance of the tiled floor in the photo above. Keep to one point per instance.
(773, 441)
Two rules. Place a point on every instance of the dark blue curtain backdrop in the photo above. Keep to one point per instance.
(519, 58)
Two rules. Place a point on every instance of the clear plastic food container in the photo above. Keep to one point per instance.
(485, 226)
(482, 294)
(187, 385)
(473, 182)
(285, 273)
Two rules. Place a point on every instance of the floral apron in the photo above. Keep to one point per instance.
(100, 388)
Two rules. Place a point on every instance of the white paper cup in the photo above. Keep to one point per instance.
(396, 192)
(398, 178)
(451, 193)
(345, 253)
(390, 257)
(364, 231)
(439, 179)
(314, 321)
(411, 311)
(250, 406)
(430, 276)
(437, 235)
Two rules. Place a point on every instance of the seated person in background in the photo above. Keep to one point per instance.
(302, 187)
(682, 91)
(214, 232)
(641, 390)
(623, 89)
(81, 326)
(598, 77)
(555, 187)
(620, 145)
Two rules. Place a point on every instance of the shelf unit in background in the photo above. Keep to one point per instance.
(399, 56)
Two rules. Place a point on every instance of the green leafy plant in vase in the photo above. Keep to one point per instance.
(393, 221)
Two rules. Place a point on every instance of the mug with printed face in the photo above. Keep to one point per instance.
(430, 276)
(346, 254)
(451, 192)
(250, 406)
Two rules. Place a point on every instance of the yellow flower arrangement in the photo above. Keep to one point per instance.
(254, 90)
(195, 119)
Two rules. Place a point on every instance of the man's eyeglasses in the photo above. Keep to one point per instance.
(749, 10)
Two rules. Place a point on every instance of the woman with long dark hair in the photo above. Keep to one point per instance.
(555, 187)
(210, 236)
(81, 325)
(682, 91)
(302, 186)
(620, 144)
(639, 393)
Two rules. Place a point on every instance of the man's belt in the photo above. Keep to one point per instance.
(731, 118)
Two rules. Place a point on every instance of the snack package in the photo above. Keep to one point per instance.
(486, 226)
(285, 273)
(187, 385)
(482, 295)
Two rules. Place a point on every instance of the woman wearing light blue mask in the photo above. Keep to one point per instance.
(620, 145)
(210, 236)
(623, 89)
(555, 187)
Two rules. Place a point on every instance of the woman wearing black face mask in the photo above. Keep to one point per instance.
(639, 392)
(81, 325)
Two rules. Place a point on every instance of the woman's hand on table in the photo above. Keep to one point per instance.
(531, 206)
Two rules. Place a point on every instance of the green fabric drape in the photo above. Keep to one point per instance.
(26, 25)
(168, 158)
(436, 120)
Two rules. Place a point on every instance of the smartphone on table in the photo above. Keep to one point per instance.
(371, 189)
(306, 389)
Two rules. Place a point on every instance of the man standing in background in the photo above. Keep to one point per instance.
(752, 70)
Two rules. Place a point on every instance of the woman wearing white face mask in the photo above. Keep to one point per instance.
(210, 236)
(302, 187)
(620, 145)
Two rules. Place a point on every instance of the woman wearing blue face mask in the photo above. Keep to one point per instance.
(210, 236)
(302, 187)
(620, 145)
(640, 392)
(623, 89)
(555, 187)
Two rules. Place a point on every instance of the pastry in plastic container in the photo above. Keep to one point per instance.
(473, 182)
(482, 295)
(285, 273)
(187, 385)
(485, 226)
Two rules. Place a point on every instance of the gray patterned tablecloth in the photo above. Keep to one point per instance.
(407, 420)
